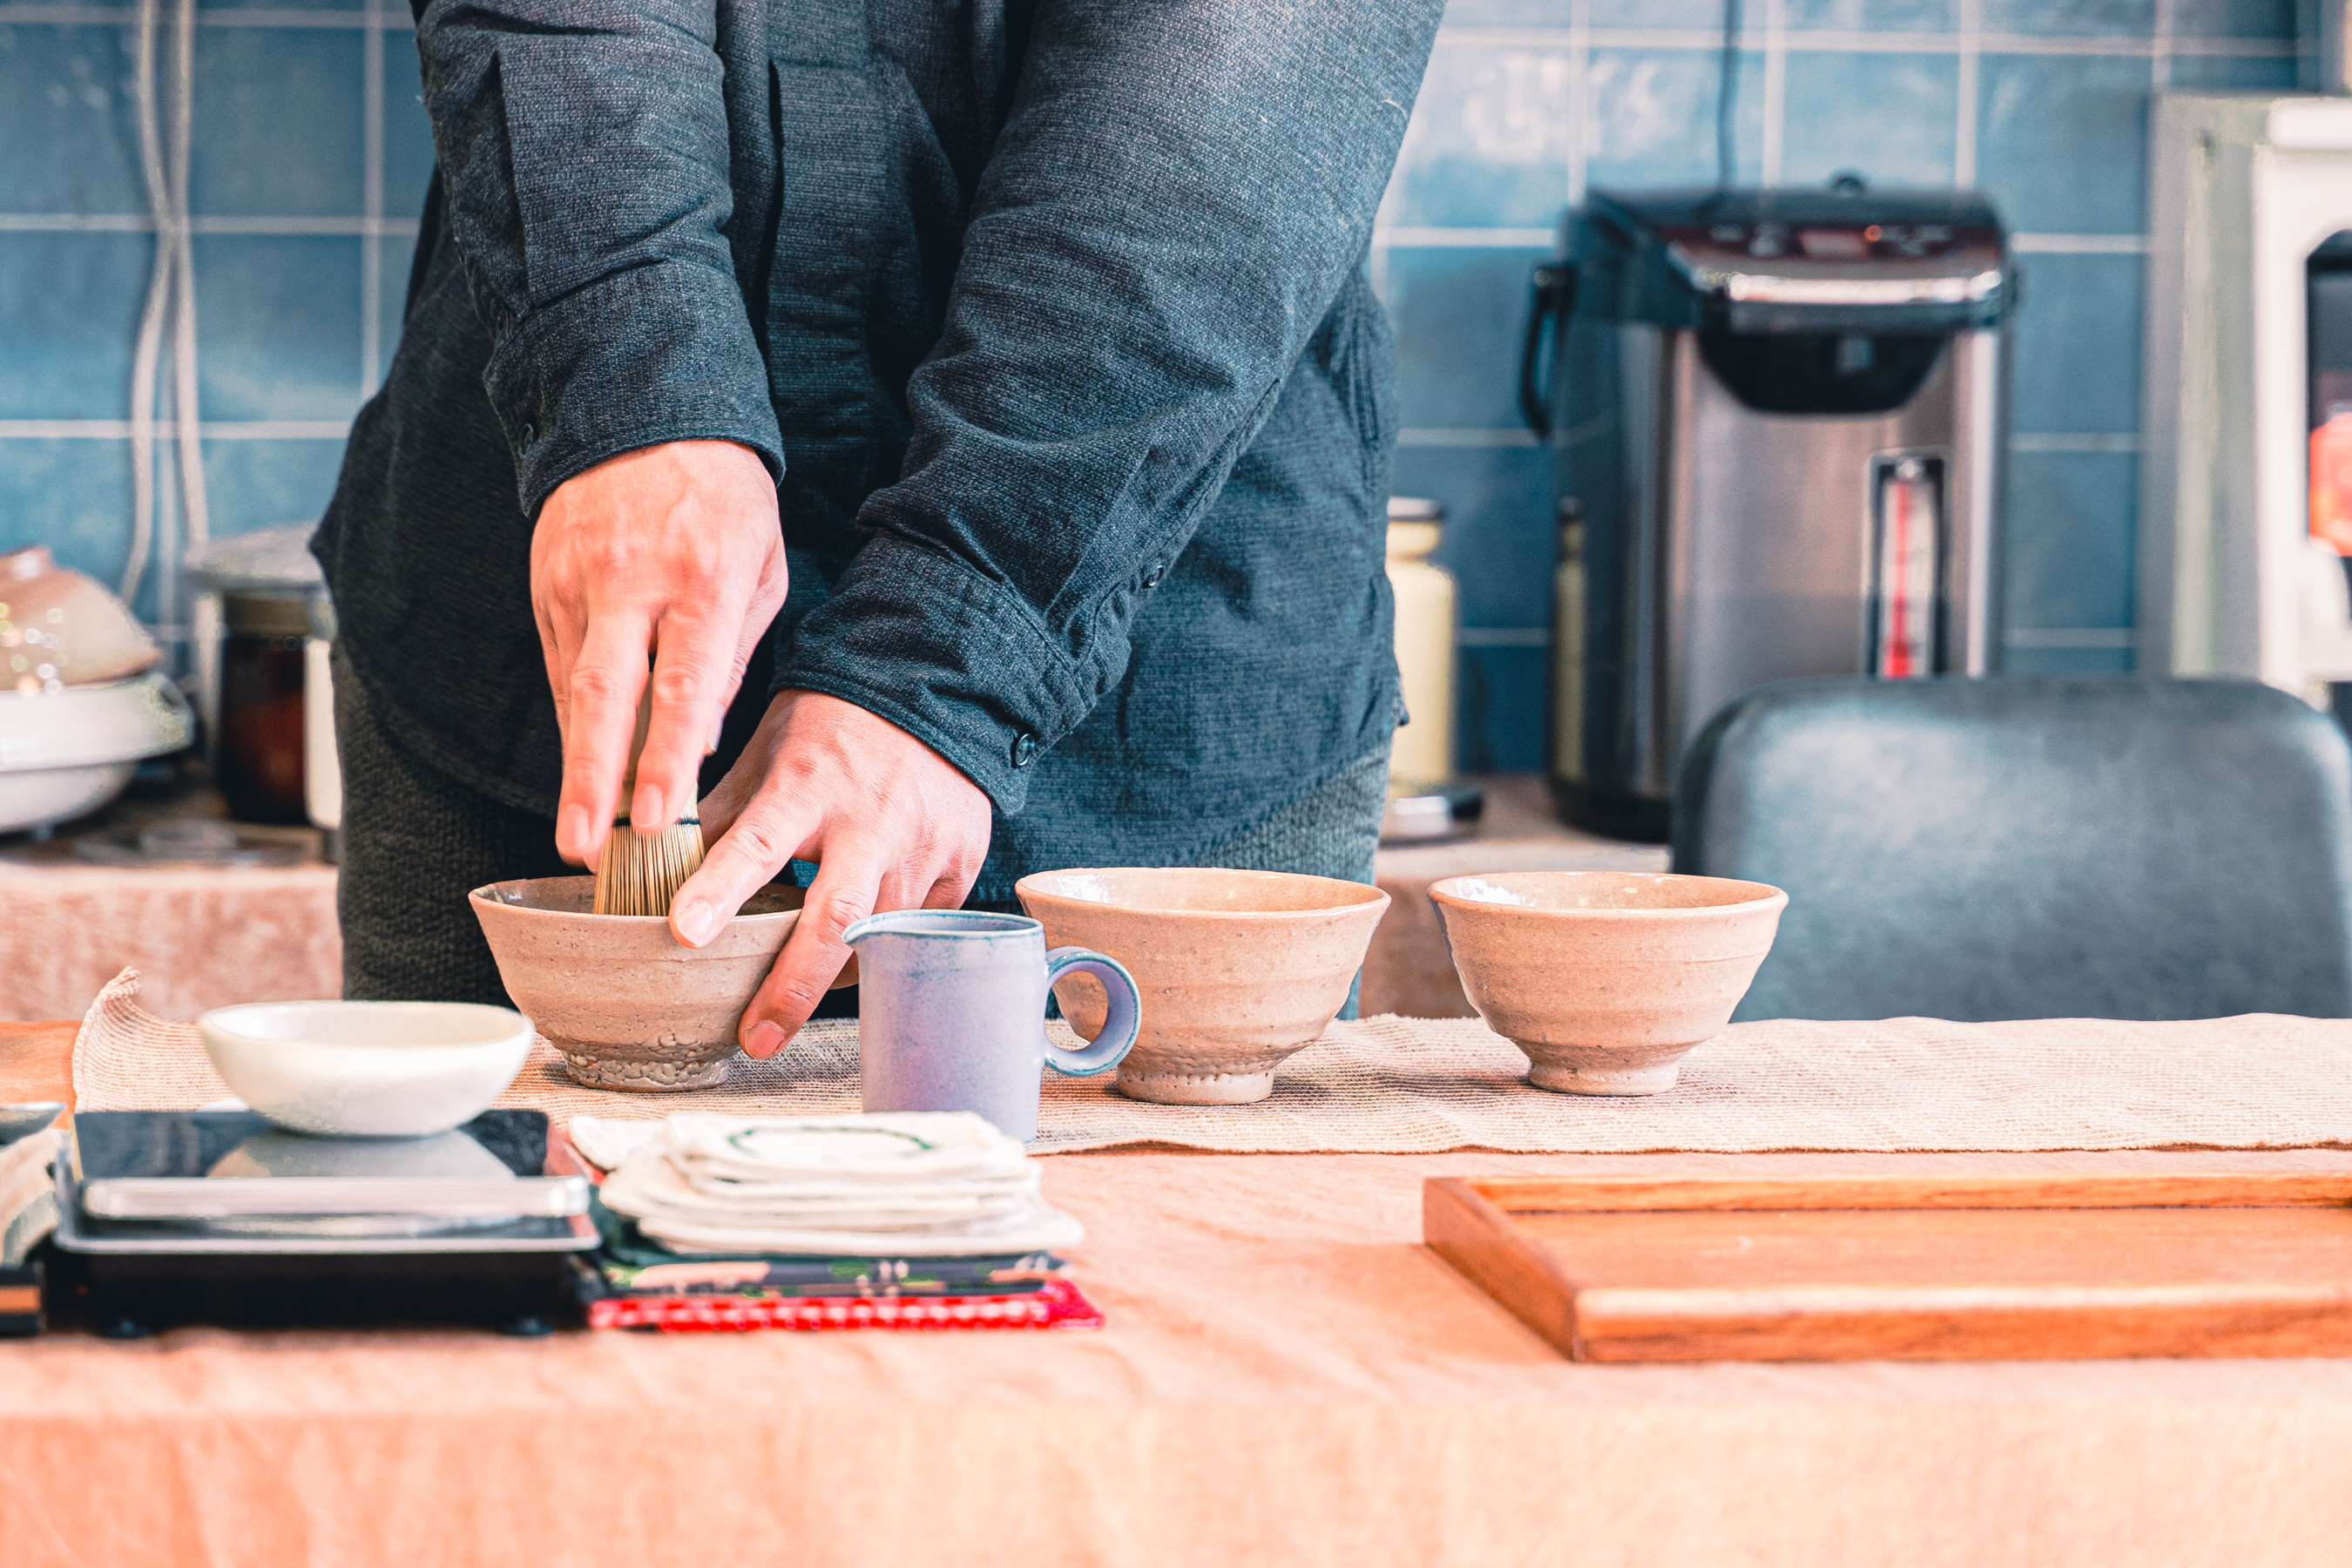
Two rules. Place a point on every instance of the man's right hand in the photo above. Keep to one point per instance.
(673, 552)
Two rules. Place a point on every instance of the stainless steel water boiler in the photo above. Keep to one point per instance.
(1777, 421)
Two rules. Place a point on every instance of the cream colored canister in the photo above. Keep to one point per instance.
(1568, 596)
(1426, 621)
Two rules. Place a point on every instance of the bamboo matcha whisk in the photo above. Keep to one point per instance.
(640, 873)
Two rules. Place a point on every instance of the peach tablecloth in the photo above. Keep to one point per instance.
(1286, 1377)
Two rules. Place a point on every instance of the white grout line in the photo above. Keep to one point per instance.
(2090, 638)
(76, 223)
(2073, 441)
(1420, 435)
(2031, 441)
(1968, 88)
(1411, 237)
(1579, 97)
(128, 16)
(1558, 35)
(139, 223)
(1407, 237)
(211, 430)
(2070, 638)
(371, 201)
(1425, 435)
(1804, 40)
(2078, 244)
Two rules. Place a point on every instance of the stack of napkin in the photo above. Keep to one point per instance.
(915, 1185)
(811, 1211)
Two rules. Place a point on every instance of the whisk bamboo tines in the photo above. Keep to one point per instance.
(640, 873)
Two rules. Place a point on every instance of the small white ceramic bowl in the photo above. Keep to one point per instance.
(367, 1070)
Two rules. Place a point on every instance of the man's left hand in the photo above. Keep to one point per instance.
(890, 823)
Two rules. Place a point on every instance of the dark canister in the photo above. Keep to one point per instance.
(259, 762)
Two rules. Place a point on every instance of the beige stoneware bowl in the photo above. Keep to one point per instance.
(625, 1004)
(1606, 978)
(1238, 969)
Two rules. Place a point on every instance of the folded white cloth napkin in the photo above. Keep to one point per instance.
(649, 1189)
(911, 1147)
(904, 1184)
(898, 1146)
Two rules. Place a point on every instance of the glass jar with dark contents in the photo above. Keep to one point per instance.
(259, 759)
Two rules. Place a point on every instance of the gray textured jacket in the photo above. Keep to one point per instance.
(1051, 319)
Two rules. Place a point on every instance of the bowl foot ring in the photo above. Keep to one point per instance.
(643, 1076)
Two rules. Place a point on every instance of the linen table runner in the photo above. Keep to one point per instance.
(1400, 1086)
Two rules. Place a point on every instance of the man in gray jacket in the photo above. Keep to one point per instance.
(980, 406)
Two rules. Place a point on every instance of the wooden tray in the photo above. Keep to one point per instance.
(1910, 1268)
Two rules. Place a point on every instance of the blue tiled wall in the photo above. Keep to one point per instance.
(312, 152)
(2043, 103)
(307, 169)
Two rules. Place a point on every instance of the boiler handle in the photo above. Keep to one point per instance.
(1555, 300)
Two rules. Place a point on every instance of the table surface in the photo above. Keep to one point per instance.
(1286, 1373)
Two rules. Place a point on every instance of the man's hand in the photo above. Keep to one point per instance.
(891, 824)
(672, 550)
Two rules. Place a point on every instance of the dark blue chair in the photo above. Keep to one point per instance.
(2030, 847)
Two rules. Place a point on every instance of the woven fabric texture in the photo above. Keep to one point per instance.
(1395, 1085)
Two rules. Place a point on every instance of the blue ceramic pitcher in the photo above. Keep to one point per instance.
(951, 1013)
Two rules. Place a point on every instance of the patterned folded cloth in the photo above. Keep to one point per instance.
(1056, 1304)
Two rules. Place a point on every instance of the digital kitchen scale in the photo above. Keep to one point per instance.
(217, 1216)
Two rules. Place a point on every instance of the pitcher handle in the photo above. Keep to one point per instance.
(1121, 1022)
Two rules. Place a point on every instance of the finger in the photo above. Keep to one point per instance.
(733, 794)
(963, 859)
(728, 798)
(605, 682)
(692, 679)
(747, 646)
(561, 627)
(775, 582)
(765, 603)
(901, 889)
(772, 829)
(556, 608)
(849, 880)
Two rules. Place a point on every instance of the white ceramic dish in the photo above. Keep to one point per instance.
(65, 753)
(367, 1070)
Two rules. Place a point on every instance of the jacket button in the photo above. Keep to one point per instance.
(1152, 578)
(1024, 750)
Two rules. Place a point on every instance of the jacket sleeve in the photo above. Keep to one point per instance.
(1180, 191)
(583, 154)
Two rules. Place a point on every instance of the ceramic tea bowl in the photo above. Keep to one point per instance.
(1606, 978)
(1237, 969)
(629, 1007)
(367, 1070)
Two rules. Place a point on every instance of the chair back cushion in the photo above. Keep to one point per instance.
(2030, 847)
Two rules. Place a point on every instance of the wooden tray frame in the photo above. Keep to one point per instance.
(1470, 1221)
